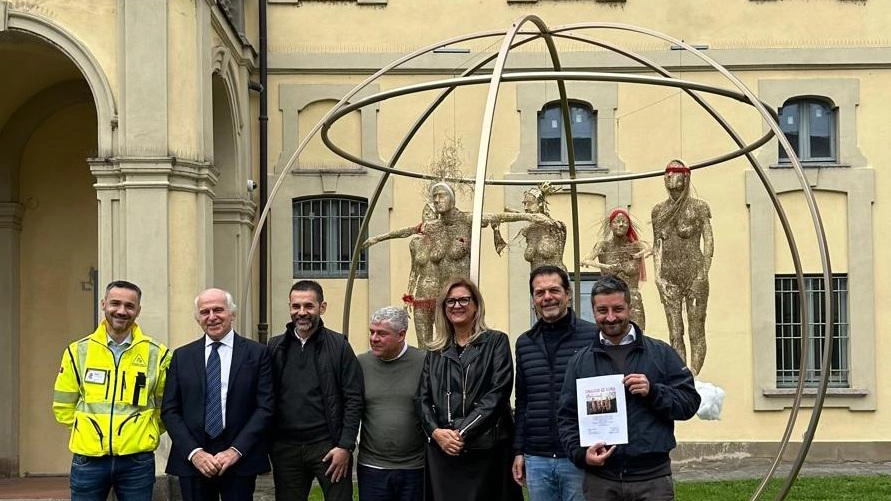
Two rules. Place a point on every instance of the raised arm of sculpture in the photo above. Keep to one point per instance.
(400, 233)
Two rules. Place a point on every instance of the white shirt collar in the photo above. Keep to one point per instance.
(629, 338)
(127, 340)
(228, 339)
(397, 357)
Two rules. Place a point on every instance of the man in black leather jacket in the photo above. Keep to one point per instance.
(318, 389)
(659, 390)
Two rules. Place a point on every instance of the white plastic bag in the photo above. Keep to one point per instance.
(712, 400)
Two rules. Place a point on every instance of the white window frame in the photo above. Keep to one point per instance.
(803, 148)
(563, 163)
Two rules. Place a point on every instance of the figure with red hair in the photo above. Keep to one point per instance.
(683, 246)
(622, 253)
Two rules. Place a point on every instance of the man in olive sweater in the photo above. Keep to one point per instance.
(391, 446)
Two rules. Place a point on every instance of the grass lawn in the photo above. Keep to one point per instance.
(867, 488)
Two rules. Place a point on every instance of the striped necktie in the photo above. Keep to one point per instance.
(213, 407)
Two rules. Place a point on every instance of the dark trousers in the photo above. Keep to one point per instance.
(228, 487)
(378, 484)
(601, 489)
(294, 465)
(132, 476)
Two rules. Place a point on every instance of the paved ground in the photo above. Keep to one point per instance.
(56, 488)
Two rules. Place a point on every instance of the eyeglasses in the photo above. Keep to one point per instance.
(458, 301)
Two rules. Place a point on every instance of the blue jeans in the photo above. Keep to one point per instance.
(553, 479)
(377, 484)
(132, 477)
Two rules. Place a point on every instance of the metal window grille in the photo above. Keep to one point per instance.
(788, 331)
(325, 231)
(552, 151)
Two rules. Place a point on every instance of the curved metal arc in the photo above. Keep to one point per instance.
(397, 155)
(529, 76)
(264, 213)
(357, 252)
(771, 120)
(570, 157)
(823, 248)
(824, 255)
(784, 221)
(821, 234)
(486, 139)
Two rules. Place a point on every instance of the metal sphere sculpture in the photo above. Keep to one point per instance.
(528, 29)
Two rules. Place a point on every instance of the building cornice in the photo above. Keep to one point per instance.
(170, 173)
(234, 211)
(744, 59)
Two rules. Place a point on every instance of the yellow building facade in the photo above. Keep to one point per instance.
(128, 137)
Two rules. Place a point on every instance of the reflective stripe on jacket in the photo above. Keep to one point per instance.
(111, 409)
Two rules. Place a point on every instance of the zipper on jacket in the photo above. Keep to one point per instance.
(133, 416)
(462, 431)
(114, 396)
(98, 431)
(464, 393)
(448, 394)
(123, 385)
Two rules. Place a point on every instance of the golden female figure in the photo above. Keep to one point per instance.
(441, 252)
(545, 236)
(622, 253)
(683, 246)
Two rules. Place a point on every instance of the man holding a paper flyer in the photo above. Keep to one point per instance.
(625, 454)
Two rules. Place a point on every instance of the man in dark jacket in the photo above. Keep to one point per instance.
(217, 407)
(659, 390)
(318, 390)
(542, 352)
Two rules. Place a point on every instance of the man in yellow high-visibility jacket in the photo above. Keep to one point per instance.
(108, 393)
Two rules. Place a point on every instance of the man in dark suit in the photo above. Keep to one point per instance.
(217, 406)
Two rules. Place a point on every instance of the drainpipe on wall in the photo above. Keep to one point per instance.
(262, 324)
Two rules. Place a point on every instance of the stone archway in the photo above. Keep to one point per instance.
(56, 113)
(233, 208)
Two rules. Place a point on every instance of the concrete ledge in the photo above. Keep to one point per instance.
(822, 452)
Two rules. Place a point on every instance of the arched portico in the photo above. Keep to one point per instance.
(58, 111)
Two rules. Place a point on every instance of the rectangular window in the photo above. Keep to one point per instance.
(325, 230)
(552, 149)
(585, 284)
(788, 331)
(809, 125)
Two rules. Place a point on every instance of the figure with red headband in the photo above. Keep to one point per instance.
(621, 253)
(683, 246)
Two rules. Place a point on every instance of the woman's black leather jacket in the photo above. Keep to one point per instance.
(469, 392)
